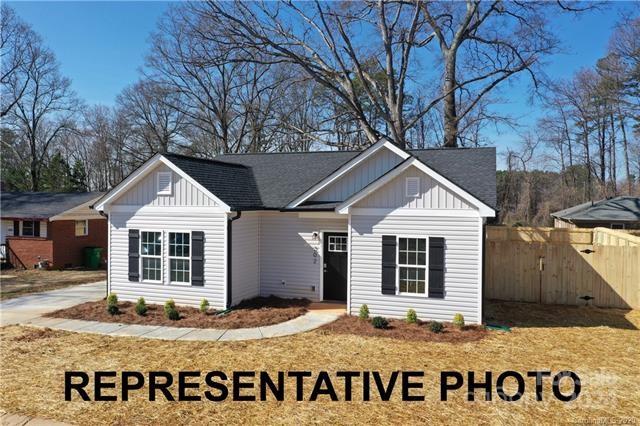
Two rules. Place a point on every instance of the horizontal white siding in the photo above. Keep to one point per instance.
(145, 192)
(360, 176)
(462, 262)
(245, 249)
(287, 252)
(432, 194)
(212, 223)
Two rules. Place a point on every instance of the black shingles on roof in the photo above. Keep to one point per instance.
(273, 180)
(234, 184)
(618, 209)
(41, 205)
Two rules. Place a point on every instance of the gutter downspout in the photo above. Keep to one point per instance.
(103, 214)
(229, 257)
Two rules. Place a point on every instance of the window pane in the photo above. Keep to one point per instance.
(422, 244)
(151, 269)
(412, 244)
(421, 287)
(179, 270)
(422, 259)
(403, 243)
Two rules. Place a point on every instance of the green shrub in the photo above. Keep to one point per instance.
(412, 317)
(141, 307)
(379, 322)
(436, 326)
(170, 310)
(112, 304)
(458, 320)
(364, 312)
(204, 306)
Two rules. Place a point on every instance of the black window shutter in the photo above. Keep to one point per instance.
(16, 228)
(197, 258)
(134, 255)
(436, 267)
(388, 264)
(36, 228)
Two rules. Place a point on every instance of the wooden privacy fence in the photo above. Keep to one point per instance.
(563, 266)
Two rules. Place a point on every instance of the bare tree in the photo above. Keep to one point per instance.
(157, 125)
(42, 114)
(18, 49)
(325, 41)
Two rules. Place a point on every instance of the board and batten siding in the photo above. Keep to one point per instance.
(432, 194)
(245, 251)
(462, 262)
(183, 193)
(290, 254)
(212, 223)
(360, 176)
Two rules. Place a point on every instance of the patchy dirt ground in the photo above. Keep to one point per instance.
(14, 283)
(601, 346)
(256, 312)
(399, 329)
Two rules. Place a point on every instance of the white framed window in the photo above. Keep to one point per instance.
(337, 243)
(82, 228)
(151, 256)
(164, 183)
(28, 228)
(617, 226)
(412, 186)
(412, 265)
(180, 257)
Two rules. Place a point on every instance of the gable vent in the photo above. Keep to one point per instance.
(164, 183)
(412, 186)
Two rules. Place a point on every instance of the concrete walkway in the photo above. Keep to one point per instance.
(21, 309)
(28, 310)
(309, 321)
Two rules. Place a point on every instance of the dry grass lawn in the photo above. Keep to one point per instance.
(14, 283)
(601, 346)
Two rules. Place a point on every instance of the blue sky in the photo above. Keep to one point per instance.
(101, 45)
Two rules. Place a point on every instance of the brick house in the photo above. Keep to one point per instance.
(52, 227)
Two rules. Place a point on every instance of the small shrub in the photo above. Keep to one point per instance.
(204, 306)
(112, 304)
(412, 317)
(364, 312)
(379, 322)
(458, 320)
(436, 326)
(141, 307)
(170, 310)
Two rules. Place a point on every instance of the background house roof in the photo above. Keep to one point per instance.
(41, 205)
(282, 177)
(622, 209)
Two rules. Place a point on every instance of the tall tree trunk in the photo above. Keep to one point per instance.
(449, 102)
(625, 148)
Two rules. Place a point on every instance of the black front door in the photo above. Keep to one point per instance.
(335, 266)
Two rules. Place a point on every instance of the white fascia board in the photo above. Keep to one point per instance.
(75, 213)
(348, 166)
(145, 169)
(366, 211)
(483, 209)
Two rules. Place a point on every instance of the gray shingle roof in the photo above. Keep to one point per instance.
(41, 205)
(232, 183)
(619, 209)
(282, 177)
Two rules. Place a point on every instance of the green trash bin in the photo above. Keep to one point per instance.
(92, 257)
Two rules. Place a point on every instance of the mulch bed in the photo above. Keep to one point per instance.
(400, 329)
(256, 312)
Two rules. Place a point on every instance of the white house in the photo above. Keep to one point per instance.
(385, 227)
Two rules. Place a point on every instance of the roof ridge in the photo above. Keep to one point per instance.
(205, 160)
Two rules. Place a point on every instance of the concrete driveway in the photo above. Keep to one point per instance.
(21, 309)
